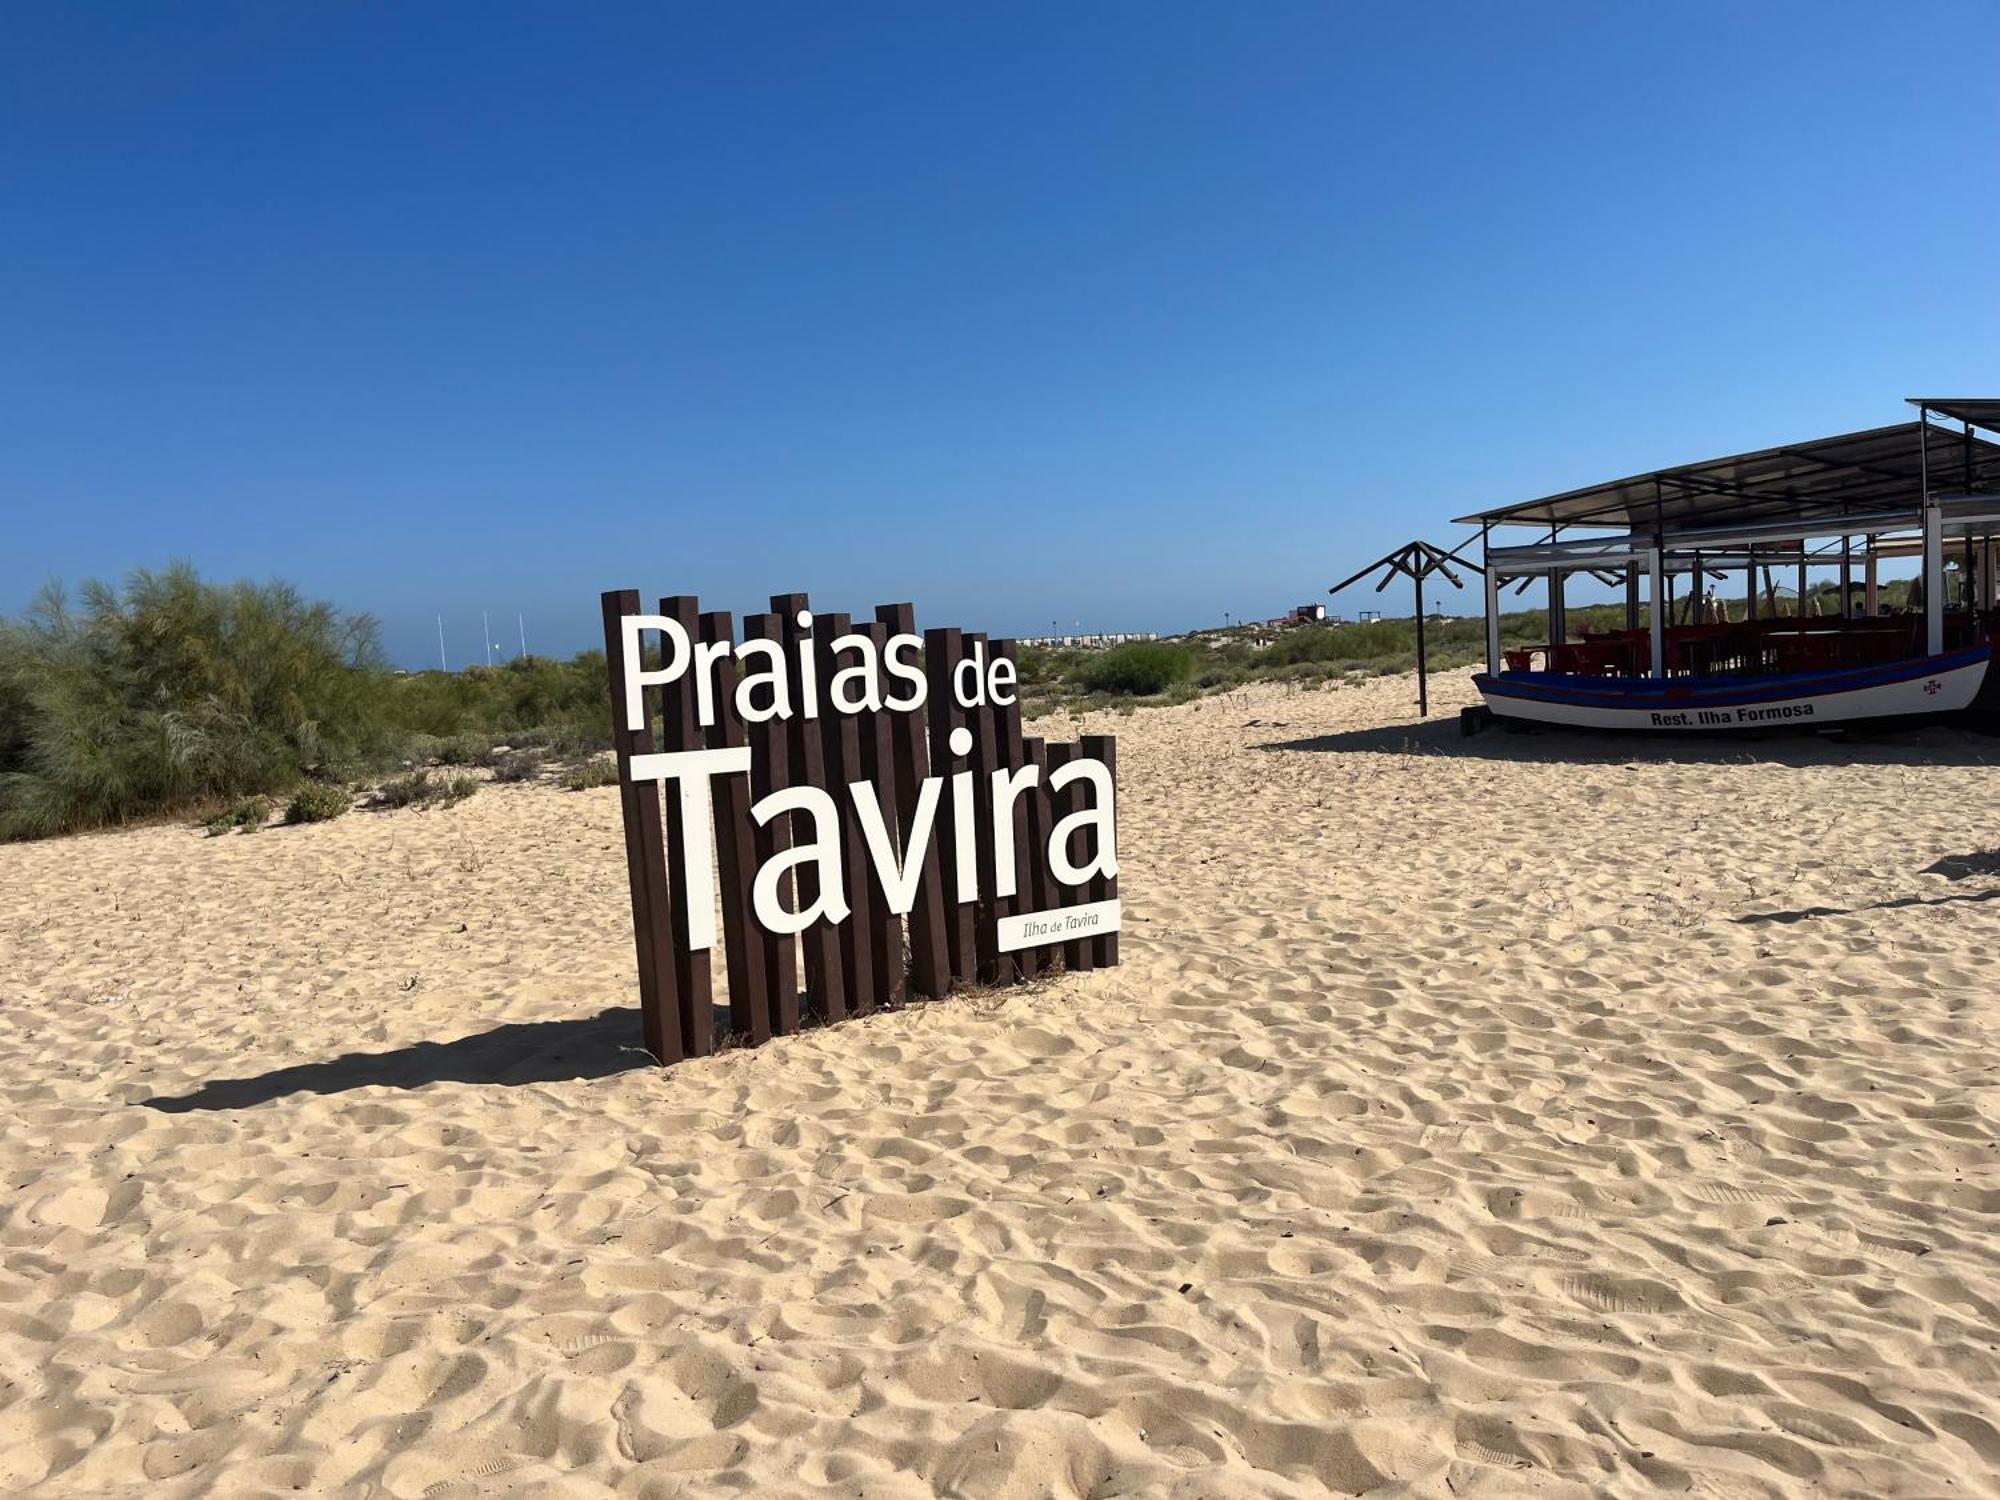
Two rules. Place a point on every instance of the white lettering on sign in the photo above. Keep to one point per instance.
(691, 771)
(862, 678)
(1099, 816)
(899, 882)
(637, 678)
(822, 850)
(1061, 924)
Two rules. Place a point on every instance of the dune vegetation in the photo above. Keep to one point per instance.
(170, 694)
(1210, 661)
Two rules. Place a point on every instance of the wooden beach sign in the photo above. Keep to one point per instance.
(859, 804)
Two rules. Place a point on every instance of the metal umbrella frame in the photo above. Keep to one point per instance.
(1415, 561)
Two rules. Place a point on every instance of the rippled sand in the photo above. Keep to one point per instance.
(1492, 1117)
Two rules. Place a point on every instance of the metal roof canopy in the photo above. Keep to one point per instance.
(1979, 411)
(1961, 517)
(1511, 563)
(1848, 474)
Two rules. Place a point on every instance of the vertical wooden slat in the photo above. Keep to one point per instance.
(1077, 955)
(1104, 950)
(1041, 889)
(680, 729)
(840, 735)
(770, 746)
(645, 850)
(930, 962)
(878, 764)
(985, 758)
(826, 980)
(1007, 735)
(943, 649)
(735, 850)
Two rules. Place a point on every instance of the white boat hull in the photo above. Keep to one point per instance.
(1921, 688)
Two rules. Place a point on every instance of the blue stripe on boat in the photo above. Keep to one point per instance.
(1726, 692)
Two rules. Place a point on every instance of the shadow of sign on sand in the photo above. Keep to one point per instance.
(518, 1053)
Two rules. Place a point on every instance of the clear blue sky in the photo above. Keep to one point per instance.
(1124, 313)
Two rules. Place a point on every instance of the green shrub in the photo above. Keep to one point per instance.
(565, 739)
(469, 749)
(1221, 677)
(592, 773)
(518, 765)
(401, 791)
(1341, 643)
(251, 814)
(422, 788)
(1038, 666)
(172, 691)
(318, 802)
(565, 704)
(1137, 668)
(421, 749)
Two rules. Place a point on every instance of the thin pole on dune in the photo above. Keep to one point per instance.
(486, 629)
(443, 666)
(522, 622)
(1423, 664)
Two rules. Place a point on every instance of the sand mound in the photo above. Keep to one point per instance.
(1492, 1117)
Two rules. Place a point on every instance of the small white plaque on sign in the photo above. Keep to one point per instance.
(1061, 924)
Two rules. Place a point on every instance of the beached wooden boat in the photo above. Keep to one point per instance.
(1917, 688)
(1707, 659)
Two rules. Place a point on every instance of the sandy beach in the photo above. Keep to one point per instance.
(1489, 1117)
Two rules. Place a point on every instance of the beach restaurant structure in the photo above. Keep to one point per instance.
(1702, 545)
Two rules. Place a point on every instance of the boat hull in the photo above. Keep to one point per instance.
(1922, 687)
